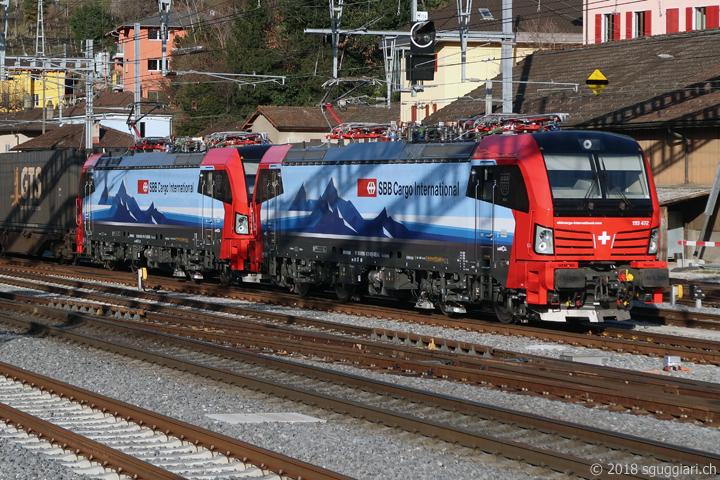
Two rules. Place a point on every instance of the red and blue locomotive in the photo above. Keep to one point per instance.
(553, 225)
(550, 226)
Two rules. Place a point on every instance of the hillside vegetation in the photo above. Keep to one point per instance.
(252, 37)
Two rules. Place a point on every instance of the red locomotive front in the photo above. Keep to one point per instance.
(586, 246)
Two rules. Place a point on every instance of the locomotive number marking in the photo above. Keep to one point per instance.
(644, 223)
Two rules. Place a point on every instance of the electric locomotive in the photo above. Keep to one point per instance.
(187, 213)
(552, 226)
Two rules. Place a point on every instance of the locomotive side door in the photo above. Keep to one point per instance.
(481, 187)
(269, 187)
(211, 185)
(87, 184)
(204, 186)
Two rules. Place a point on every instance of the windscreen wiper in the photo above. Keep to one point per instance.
(594, 184)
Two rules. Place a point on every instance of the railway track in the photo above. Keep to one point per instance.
(573, 438)
(603, 338)
(428, 357)
(100, 435)
(690, 318)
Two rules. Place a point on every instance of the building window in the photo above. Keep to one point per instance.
(639, 25)
(700, 18)
(155, 64)
(36, 100)
(611, 27)
(154, 34)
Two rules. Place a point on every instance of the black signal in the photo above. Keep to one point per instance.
(422, 37)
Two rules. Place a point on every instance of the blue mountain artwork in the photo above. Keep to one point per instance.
(332, 214)
(124, 208)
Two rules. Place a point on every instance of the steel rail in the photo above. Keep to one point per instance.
(216, 442)
(109, 458)
(554, 460)
(231, 329)
(661, 396)
(688, 349)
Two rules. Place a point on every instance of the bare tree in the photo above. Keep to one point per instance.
(542, 32)
(127, 10)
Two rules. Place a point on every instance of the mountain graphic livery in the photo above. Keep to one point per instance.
(124, 208)
(332, 214)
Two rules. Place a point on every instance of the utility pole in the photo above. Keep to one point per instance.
(137, 95)
(4, 4)
(335, 19)
(40, 31)
(388, 46)
(89, 86)
(506, 51)
(464, 24)
(164, 6)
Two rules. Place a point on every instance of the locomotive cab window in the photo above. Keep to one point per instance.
(625, 176)
(572, 176)
(215, 184)
(269, 185)
(594, 183)
(502, 185)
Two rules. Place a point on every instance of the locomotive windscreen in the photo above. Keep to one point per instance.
(598, 182)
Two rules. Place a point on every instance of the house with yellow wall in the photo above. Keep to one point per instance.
(29, 87)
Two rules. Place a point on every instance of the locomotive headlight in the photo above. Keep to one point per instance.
(653, 244)
(242, 225)
(544, 243)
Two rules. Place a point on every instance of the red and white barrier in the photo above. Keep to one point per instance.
(691, 243)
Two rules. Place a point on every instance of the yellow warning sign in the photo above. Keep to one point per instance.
(597, 81)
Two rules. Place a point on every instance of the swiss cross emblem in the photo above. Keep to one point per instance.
(603, 238)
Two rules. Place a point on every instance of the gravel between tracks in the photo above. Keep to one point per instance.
(340, 444)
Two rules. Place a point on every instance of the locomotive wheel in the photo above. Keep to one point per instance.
(448, 313)
(110, 265)
(225, 276)
(302, 289)
(344, 292)
(505, 313)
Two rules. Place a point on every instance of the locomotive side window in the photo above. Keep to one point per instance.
(269, 185)
(503, 185)
(215, 184)
(625, 176)
(251, 168)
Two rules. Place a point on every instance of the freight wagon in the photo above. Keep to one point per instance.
(38, 212)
